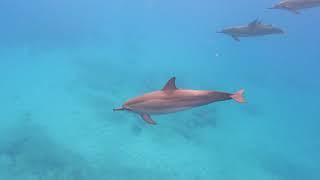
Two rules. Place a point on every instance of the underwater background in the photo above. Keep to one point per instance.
(66, 64)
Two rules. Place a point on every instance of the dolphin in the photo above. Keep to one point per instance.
(295, 5)
(171, 99)
(255, 28)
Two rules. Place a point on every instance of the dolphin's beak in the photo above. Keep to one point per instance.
(119, 109)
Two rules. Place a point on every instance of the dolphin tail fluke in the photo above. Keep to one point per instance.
(238, 96)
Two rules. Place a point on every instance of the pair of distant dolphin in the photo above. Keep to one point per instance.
(171, 99)
(257, 28)
(295, 5)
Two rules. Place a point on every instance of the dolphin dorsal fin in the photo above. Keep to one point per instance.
(254, 23)
(170, 85)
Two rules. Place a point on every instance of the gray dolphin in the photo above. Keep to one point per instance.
(255, 28)
(295, 5)
(171, 99)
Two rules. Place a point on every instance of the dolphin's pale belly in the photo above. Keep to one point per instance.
(248, 33)
(160, 106)
(163, 103)
(162, 110)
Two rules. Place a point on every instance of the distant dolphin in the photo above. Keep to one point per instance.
(171, 99)
(295, 5)
(255, 28)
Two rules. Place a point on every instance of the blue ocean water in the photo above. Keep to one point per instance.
(66, 64)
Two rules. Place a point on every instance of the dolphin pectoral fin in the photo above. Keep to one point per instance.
(235, 38)
(147, 118)
(170, 85)
(294, 11)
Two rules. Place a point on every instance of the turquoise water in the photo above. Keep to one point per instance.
(66, 65)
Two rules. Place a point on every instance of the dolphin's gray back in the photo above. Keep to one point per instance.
(302, 4)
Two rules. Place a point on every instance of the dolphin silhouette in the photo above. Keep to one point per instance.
(255, 28)
(295, 5)
(171, 99)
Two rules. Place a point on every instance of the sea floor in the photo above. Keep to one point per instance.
(57, 120)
